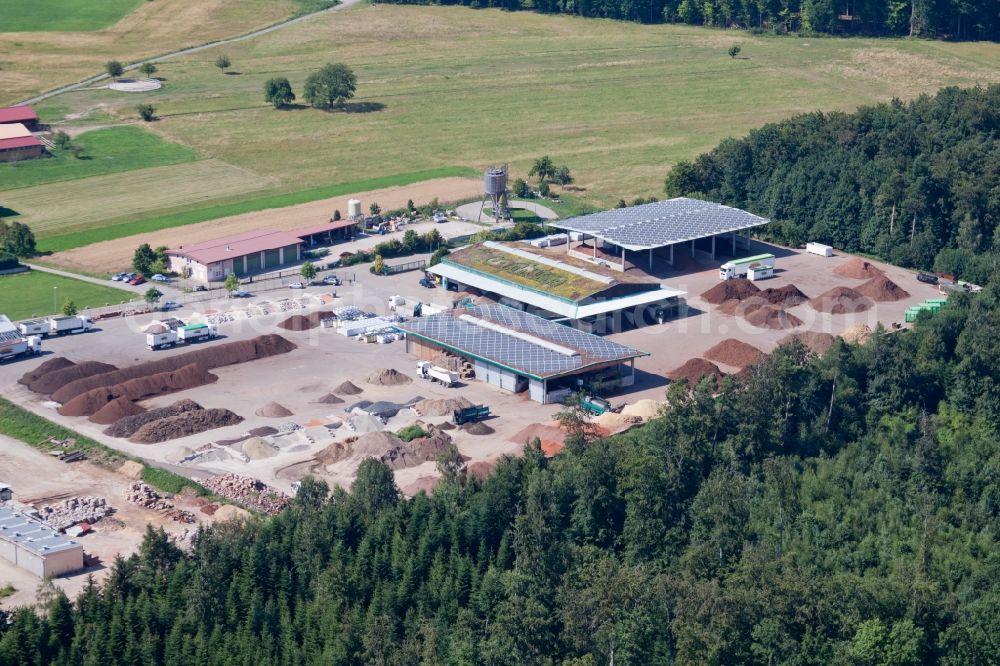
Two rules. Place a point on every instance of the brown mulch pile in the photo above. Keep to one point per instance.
(882, 289)
(52, 381)
(817, 342)
(786, 296)
(478, 428)
(51, 365)
(694, 369)
(728, 290)
(126, 427)
(442, 407)
(273, 410)
(209, 357)
(773, 317)
(387, 377)
(330, 399)
(305, 322)
(841, 300)
(734, 352)
(182, 425)
(115, 410)
(187, 377)
(348, 388)
(857, 269)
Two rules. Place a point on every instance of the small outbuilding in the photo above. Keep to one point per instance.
(36, 547)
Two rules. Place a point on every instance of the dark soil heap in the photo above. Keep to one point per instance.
(841, 300)
(51, 365)
(786, 296)
(728, 290)
(330, 399)
(734, 352)
(694, 369)
(52, 381)
(126, 427)
(182, 425)
(160, 383)
(348, 388)
(857, 269)
(305, 322)
(882, 289)
(773, 317)
(116, 410)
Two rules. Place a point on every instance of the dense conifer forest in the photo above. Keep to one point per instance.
(915, 183)
(941, 19)
(842, 509)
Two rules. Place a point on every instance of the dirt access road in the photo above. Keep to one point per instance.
(109, 256)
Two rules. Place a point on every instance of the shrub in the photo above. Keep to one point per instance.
(8, 260)
(411, 432)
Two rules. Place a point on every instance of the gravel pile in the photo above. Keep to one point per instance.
(348, 388)
(387, 377)
(182, 425)
(442, 407)
(249, 492)
(143, 495)
(330, 399)
(127, 426)
(75, 510)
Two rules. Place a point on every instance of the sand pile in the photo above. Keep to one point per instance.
(841, 300)
(387, 377)
(774, 317)
(481, 469)
(857, 269)
(182, 425)
(51, 381)
(230, 512)
(786, 296)
(728, 290)
(330, 399)
(694, 369)
(734, 352)
(273, 410)
(305, 322)
(426, 484)
(444, 407)
(51, 365)
(478, 428)
(347, 388)
(116, 410)
(551, 437)
(160, 383)
(817, 342)
(127, 426)
(644, 409)
(215, 356)
(256, 448)
(447, 425)
(611, 422)
(857, 334)
(882, 289)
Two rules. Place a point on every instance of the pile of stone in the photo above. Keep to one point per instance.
(74, 510)
(143, 495)
(249, 492)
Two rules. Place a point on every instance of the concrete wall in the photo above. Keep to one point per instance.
(48, 566)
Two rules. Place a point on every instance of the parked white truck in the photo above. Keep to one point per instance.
(62, 325)
(430, 372)
(13, 344)
(183, 335)
(761, 265)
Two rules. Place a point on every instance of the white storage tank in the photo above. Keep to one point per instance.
(354, 208)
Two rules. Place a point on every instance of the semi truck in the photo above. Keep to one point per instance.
(181, 335)
(737, 268)
(427, 370)
(470, 414)
(13, 344)
(62, 325)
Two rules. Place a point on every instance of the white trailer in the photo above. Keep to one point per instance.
(162, 340)
(820, 249)
(760, 273)
(738, 268)
(34, 327)
(196, 333)
(71, 324)
(430, 372)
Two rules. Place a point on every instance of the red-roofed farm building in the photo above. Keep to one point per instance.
(16, 141)
(244, 254)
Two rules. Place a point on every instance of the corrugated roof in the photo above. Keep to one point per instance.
(518, 341)
(14, 131)
(21, 142)
(320, 228)
(661, 223)
(17, 114)
(230, 247)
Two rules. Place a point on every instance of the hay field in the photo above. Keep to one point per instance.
(617, 102)
(31, 62)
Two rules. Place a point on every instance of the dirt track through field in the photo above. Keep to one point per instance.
(108, 256)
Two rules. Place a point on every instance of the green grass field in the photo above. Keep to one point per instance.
(111, 150)
(618, 103)
(29, 294)
(62, 15)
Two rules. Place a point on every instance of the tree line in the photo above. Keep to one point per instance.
(834, 509)
(942, 19)
(914, 183)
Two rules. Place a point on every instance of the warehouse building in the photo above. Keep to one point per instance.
(36, 547)
(558, 287)
(521, 352)
(244, 254)
(24, 115)
(638, 236)
(17, 143)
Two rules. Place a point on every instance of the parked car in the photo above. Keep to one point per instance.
(296, 285)
(427, 282)
(137, 280)
(240, 294)
(929, 278)
(159, 277)
(200, 287)
(119, 277)
(332, 280)
(169, 305)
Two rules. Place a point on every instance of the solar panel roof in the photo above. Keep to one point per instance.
(662, 223)
(516, 350)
